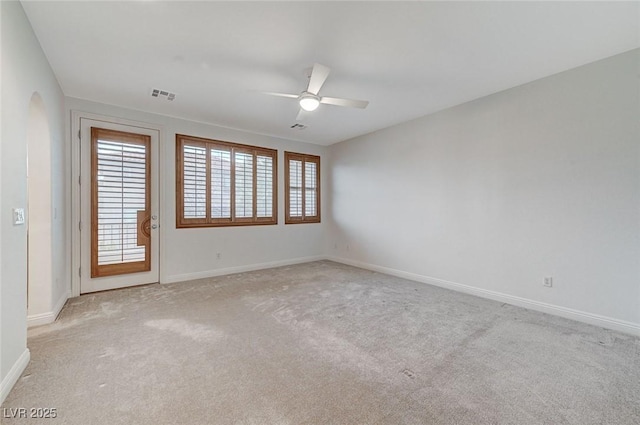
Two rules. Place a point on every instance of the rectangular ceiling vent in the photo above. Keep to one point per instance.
(299, 126)
(163, 94)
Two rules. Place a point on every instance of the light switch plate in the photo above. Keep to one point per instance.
(18, 216)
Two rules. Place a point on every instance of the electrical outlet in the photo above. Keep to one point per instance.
(18, 216)
(548, 281)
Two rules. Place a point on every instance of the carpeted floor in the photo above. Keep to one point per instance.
(322, 343)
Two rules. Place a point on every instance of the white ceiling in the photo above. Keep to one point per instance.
(408, 59)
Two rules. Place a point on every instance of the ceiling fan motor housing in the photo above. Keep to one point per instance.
(309, 101)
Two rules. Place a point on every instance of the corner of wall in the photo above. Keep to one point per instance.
(14, 374)
(50, 316)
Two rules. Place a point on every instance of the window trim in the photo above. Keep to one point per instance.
(208, 221)
(288, 219)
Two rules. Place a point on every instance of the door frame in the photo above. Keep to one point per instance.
(76, 116)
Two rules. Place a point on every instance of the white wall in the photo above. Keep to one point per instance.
(540, 180)
(40, 246)
(25, 71)
(191, 253)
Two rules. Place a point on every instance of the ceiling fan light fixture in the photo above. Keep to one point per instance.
(309, 102)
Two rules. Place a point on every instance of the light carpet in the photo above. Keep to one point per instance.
(322, 343)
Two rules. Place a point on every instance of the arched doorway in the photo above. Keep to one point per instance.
(39, 211)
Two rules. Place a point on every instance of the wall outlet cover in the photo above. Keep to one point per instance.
(18, 216)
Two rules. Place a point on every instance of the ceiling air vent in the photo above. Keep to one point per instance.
(163, 94)
(299, 126)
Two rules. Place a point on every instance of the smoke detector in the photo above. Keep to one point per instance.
(158, 93)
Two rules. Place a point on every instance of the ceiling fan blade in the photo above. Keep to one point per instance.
(344, 102)
(292, 96)
(318, 76)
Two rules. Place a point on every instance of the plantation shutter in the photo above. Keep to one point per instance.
(220, 183)
(120, 202)
(224, 184)
(295, 188)
(244, 184)
(264, 189)
(310, 188)
(302, 198)
(194, 181)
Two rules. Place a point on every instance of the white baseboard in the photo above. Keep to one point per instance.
(14, 374)
(50, 316)
(240, 269)
(568, 313)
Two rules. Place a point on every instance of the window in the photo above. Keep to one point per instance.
(224, 184)
(302, 188)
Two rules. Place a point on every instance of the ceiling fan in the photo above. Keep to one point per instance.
(310, 99)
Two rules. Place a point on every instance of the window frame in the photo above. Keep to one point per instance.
(208, 221)
(304, 158)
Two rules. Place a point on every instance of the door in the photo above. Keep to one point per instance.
(119, 206)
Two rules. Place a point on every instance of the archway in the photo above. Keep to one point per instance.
(39, 212)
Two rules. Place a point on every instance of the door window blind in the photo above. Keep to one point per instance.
(120, 202)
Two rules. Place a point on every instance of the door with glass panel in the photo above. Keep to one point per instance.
(119, 203)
